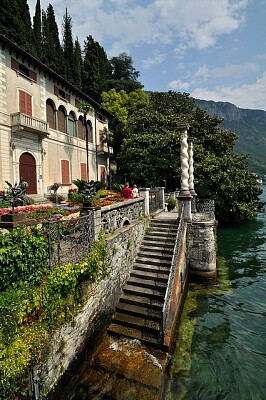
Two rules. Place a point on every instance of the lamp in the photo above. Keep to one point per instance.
(12, 144)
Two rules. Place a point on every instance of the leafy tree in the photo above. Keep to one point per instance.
(37, 31)
(150, 154)
(68, 47)
(123, 75)
(122, 104)
(96, 69)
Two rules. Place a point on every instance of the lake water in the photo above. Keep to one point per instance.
(221, 348)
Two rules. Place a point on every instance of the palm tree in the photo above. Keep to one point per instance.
(85, 107)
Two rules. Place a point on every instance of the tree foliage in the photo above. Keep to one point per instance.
(37, 31)
(123, 74)
(52, 50)
(96, 69)
(68, 48)
(150, 154)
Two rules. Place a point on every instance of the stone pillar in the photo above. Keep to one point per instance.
(184, 197)
(144, 192)
(202, 249)
(191, 175)
(161, 197)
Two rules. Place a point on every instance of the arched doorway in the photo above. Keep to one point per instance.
(27, 172)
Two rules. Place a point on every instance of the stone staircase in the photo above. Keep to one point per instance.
(138, 314)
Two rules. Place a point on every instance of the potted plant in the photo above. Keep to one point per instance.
(171, 203)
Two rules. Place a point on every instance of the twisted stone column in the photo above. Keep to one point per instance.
(191, 174)
(184, 197)
(184, 165)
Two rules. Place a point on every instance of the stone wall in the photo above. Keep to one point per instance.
(69, 341)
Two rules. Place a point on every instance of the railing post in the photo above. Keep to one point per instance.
(144, 192)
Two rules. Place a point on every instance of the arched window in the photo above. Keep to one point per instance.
(50, 114)
(61, 114)
(81, 128)
(71, 124)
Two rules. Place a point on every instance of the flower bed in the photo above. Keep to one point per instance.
(41, 212)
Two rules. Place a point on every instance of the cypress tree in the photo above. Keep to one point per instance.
(25, 34)
(9, 19)
(77, 65)
(96, 69)
(52, 51)
(68, 47)
(37, 31)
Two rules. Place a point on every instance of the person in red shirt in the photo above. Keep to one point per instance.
(127, 192)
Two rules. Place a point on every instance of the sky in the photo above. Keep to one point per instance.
(211, 49)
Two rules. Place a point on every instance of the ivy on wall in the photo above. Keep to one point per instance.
(34, 307)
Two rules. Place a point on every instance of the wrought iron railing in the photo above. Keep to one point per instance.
(170, 283)
(69, 240)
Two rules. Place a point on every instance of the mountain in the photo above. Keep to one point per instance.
(248, 125)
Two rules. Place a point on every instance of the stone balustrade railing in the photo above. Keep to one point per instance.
(120, 214)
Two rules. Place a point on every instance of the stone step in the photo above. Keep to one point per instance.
(156, 268)
(158, 244)
(147, 338)
(163, 228)
(147, 283)
(138, 300)
(145, 292)
(143, 259)
(157, 276)
(158, 237)
(156, 253)
(137, 322)
(139, 311)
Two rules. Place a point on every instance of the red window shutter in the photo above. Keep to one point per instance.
(14, 64)
(61, 121)
(83, 171)
(33, 76)
(68, 97)
(65, 172)
(25, 106)
(56, 90)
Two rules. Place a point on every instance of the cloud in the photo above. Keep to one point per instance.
(191, 23)
(157, 58)
(245, 96)
(178, 85)
(238, 70)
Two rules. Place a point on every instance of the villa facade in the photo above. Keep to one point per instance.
(42, 132)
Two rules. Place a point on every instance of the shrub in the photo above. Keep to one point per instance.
(23, 256)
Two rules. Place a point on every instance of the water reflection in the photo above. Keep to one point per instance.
(225, 355)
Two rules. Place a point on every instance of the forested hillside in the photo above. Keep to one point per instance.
(248, 125)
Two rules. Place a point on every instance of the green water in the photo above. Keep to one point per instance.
(221, 349)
